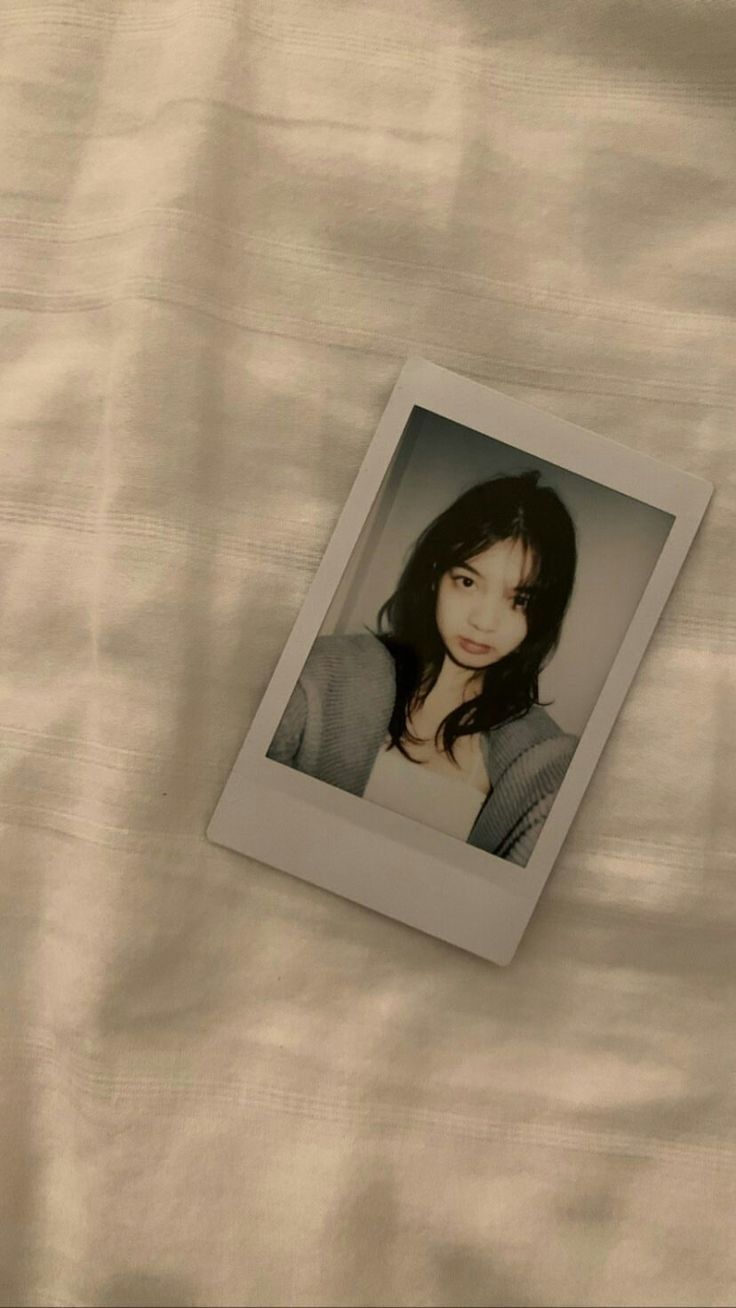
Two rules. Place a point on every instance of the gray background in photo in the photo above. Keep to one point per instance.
(619, 542)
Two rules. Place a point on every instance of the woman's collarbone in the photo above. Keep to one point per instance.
(465, 766)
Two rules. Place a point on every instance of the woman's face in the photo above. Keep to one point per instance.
(481, 605)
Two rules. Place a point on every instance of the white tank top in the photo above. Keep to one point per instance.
(449, 804)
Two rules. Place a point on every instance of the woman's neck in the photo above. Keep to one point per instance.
(455, 685)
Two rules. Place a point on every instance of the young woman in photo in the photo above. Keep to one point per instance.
(436, 714)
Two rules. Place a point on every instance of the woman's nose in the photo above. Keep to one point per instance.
(484, 616)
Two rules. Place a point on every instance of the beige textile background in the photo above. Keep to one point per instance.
(224, 224)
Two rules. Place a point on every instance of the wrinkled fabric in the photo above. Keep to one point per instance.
(223, 227)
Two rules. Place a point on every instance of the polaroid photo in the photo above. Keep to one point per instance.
(460, 659)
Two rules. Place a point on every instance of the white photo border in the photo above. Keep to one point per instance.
(378, 858)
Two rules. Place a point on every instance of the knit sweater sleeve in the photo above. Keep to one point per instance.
(519, 843)
(285, 745)
(336, 717)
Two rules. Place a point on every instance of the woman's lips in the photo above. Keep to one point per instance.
(472, 647)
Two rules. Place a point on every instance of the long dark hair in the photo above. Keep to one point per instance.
(511, 508)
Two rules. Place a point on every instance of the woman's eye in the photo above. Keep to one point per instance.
(465, 582)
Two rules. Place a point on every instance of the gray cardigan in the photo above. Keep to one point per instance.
(338, 715)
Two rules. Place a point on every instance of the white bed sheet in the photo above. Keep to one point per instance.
(223, 227)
